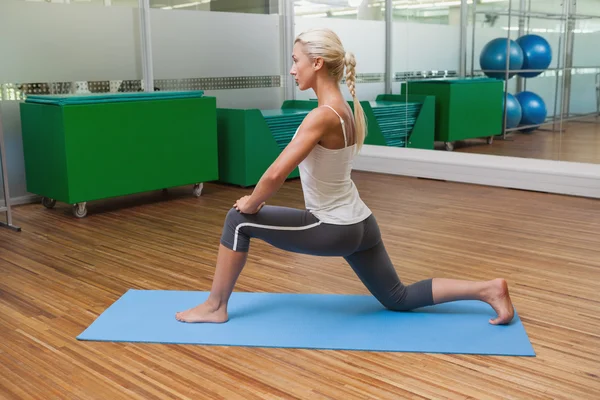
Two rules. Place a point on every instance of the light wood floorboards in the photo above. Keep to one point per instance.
(60, 273)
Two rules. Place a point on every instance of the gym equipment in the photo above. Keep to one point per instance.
(562, 38)
(533, 110)
(537, 54)
(513, 111)
(493, 58)
(464, 108)
(81, 148)
(251, 139)
(400, 121)
(311, 321)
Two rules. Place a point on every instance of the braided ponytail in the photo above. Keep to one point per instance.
(359, 115)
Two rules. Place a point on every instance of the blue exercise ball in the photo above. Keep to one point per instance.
(537, 54)
(513, 111)
(493, 57)
(533, 109)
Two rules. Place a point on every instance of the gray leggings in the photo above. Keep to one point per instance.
(359, 244)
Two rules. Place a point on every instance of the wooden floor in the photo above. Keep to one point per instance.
(579, 142)
(60, 273)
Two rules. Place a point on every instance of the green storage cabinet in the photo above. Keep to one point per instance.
(465, 108)
(83, 148)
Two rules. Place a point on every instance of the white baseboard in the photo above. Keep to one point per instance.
(569, 178)
(575, 179)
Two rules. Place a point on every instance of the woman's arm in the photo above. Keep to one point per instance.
(316, 123)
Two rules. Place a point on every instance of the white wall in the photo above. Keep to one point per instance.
(418, 47)
(583, 98)
(585, 50)
(43, 43)
(189, 44)
(200, 44)
(365, 38)
(71, 42)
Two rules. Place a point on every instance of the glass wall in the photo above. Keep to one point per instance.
(61, 47)
(557, 37)
(234, 54)
(425, 46)
(234, 6)
(238, 51)
(361, 27)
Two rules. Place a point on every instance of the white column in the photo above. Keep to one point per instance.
(146, 45)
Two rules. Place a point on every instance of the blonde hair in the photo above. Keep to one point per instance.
(324, 43)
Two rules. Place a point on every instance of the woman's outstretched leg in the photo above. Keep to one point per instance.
(372, 265)
(494, 292)
(229, 266)
(376, 271)
(285, 228)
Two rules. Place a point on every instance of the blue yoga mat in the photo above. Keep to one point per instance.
(311, 321)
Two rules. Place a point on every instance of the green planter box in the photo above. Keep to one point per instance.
(464, 108)
(83, 148)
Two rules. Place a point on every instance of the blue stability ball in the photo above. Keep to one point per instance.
(493, 57)
(537, 54)
(513, 111)
(533, 109)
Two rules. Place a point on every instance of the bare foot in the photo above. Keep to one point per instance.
(203, 313)
(497, 296)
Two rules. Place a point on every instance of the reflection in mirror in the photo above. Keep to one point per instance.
(551, 107)
(426, 37)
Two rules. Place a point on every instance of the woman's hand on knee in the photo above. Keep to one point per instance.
(244, 206)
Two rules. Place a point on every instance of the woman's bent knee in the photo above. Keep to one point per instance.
(233, 215)
(230, 237)
(397, 306)
(397, 301)
(407, 298)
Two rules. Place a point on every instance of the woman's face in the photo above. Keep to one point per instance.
(303, 69)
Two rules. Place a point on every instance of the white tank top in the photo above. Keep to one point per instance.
(329, 192)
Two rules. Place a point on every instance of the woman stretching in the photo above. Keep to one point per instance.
(336, 222)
